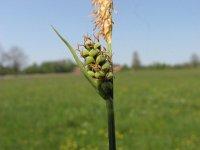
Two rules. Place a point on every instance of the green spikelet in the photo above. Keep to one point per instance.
(109, 75)
(89, 60)
(97, 46)
(106, 66)
(89, 45)
(91, 73)
(97, 63)
(94, 52)
(84, 53)
(100, 59)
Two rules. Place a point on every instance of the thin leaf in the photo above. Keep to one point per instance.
(90, 79)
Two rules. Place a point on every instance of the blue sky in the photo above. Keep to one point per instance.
(160, 30)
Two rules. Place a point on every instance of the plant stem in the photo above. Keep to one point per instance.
(111, 124)
(110, 50)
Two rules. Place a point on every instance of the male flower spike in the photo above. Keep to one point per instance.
(103, 18)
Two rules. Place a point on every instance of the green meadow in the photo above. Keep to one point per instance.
(154, 110)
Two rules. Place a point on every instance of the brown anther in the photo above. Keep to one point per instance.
(86, 37)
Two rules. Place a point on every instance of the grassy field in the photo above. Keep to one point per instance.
(155, 110)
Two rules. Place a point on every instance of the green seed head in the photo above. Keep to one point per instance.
(91, 73)
(102, 74)
(84, 53)
(93, 52)
(109, 75)
(97, 74)
(106, 66)
(96, 69)
(89, 60)
(89, 45)
(87, 67)
(100, 59)
(97, 46)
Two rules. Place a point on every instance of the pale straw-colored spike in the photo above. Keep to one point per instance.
(102, 14)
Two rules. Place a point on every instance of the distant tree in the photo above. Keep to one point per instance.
(16, 59)
(136, 63)
(3, 60)
(12, 61)
(195, 60)
(1, 56)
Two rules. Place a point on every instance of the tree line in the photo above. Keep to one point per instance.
(194, 62)
(13, 62)
(60, 66)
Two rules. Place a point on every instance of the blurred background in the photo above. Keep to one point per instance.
(45, 103)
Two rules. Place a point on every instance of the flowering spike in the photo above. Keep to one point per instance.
(102, 15)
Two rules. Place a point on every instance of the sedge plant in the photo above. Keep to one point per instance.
(97, 66)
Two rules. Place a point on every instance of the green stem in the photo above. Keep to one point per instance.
(111, 124)
(110, 50)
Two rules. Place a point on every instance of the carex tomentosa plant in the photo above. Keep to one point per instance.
(97, 66)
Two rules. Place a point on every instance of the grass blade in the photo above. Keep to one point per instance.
(90, 79)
